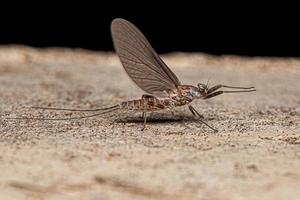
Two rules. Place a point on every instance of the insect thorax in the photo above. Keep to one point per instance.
(186, 94)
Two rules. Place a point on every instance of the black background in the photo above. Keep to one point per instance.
(247, 29)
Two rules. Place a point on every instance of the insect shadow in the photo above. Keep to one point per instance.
(155, 118)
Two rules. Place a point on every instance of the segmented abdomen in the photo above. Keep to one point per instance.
(146, 104)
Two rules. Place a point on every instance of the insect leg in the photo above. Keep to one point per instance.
(144, 115)
(194, 111)
(212, 89)
(246, 89)
(213, 94)
(145, 120)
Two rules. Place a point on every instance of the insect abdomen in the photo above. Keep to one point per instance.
(144, 104)
(132, 105)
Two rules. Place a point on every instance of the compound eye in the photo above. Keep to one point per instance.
(201, 86)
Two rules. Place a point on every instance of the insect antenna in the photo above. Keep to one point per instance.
(207, 82)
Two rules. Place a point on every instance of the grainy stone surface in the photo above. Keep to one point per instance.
(255, 155)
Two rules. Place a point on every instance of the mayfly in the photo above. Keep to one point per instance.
(149, 72)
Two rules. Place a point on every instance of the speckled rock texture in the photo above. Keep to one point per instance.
(255, 154)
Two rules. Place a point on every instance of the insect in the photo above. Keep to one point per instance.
(149, 72)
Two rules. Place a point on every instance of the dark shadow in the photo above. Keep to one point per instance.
(156, 119)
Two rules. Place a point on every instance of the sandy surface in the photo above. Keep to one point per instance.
(255, 155)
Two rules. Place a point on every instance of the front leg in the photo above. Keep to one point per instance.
(212, 89)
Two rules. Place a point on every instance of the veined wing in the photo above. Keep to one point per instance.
(140, 61)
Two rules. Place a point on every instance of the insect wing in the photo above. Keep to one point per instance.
(140, 61)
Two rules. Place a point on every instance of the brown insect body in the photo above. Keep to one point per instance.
(184, 95)
(149, 72)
